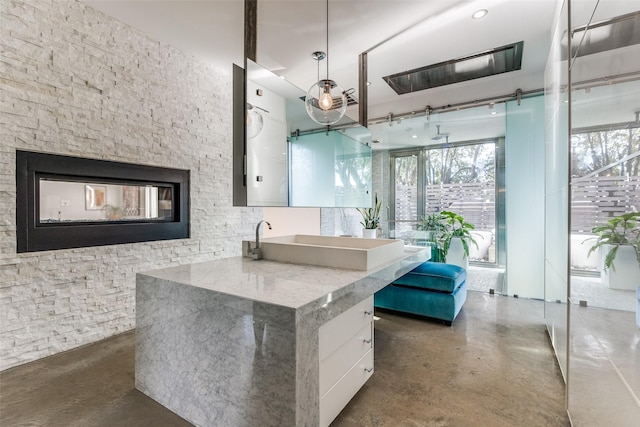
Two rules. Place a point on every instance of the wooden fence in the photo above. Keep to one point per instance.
(593, 201)
(596, 199)
(475, 202)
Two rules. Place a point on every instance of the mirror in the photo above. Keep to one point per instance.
(268, 110)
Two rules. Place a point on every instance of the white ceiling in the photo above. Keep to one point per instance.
(398, 34)
(288, 31)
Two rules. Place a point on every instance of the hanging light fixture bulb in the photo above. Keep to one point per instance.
(326, 102)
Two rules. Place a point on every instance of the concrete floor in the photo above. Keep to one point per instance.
(604, 377)
(493, 367)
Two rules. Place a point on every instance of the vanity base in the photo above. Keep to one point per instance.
(215, 360)
(237, 342)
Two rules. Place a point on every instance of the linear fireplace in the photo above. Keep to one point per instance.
(70, 202)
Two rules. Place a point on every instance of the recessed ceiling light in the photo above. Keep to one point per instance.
(493, 113)
(414, 136)
(479, 13)
(368, 83)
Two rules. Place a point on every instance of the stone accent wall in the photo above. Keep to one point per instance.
(74, 81)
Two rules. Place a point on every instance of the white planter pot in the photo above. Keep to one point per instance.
(369, 233)
(456, 254)
(580, 258)
(484, 239)
(627, 271)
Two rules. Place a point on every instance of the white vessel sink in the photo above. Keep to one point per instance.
(340, 252)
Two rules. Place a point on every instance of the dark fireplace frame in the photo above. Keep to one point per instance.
(34, 236)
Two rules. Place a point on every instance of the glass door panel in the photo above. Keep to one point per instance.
(405, 196)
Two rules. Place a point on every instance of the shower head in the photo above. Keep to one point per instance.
(439, 135)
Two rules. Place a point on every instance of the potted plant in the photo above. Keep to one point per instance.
(449, 235)
(433, 231)
(457, 238)
(618, 240)
(370, 219)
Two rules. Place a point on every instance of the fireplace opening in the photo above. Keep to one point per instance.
(69, 202)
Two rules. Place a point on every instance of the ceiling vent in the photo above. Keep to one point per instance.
(351, 100)
(615, 33)
(488, 63)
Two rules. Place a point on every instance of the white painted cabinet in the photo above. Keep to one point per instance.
(346, 358)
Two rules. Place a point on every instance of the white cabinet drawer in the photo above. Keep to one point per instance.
(334, 400)
(341, 360)
(338, 330)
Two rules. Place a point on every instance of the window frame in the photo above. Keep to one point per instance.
(420, 152)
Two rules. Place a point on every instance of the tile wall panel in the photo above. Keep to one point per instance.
(74, 81)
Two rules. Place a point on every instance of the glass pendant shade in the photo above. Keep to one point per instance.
(326, 102)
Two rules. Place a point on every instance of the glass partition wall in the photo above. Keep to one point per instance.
(490, 170)
(604, 338)
(485, 163)
(556, 269)
(593, 142)
(330, 168)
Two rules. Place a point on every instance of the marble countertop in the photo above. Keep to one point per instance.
(288, 285)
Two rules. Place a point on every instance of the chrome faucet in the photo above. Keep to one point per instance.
(256, 253)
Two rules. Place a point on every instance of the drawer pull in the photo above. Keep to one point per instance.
(367, 340)
(367, 370)
(368, 312)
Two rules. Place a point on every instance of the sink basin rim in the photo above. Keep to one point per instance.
(353, 254)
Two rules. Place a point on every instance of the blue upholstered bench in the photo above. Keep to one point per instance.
(432, 289)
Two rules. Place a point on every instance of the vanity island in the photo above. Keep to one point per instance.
(238, 342)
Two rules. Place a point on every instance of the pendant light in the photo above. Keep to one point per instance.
(326, 102)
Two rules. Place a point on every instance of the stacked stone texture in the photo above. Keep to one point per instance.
(76, 82)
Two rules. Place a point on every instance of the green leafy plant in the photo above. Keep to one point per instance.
(443, 226)
(619, 231)
(432, 222)
(457, 226)
(371, 216)
(436, 234)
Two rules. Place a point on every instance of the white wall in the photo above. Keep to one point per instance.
(286, 221)
(67, 200)
(76, 82)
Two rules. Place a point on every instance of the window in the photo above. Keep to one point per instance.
(455, 177)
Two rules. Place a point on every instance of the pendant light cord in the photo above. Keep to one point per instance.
(327, 39)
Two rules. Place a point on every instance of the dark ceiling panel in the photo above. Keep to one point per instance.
(495, 61)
